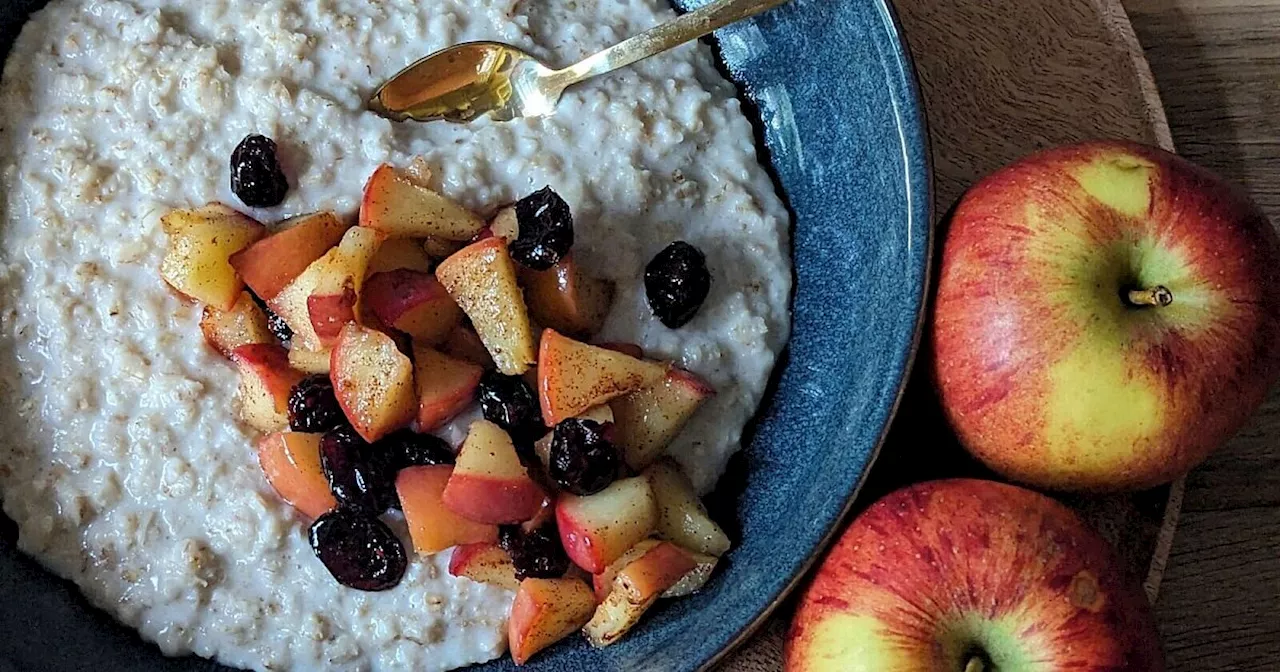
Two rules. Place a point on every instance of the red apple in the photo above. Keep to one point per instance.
(484, 562)
(291, 462)
(597, 529)
(266, 379)
(489, 484)
(271, 263)
(412, 302)
(971, 575)
(446, 386)
(373, 382)
(1106, 316)
(432, 526)
(648, 419)
(403, 208)
(575, 376)
(544, 612)
(566, 299)
(481, 277)
(633, 589)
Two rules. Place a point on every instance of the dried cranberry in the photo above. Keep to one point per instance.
(256, 175)
(583, 461)
(545, 230)
(359, 550)
(537, 554)
(510, 403)
(676, 282)
(313, 406)
(356, 476)
(407, 448)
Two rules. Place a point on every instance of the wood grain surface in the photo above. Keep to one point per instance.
(1217, 63)
(1003, 77)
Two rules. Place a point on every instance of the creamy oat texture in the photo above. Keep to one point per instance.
(123, 464)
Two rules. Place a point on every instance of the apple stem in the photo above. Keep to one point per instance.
(975, 664)
(1156, 296)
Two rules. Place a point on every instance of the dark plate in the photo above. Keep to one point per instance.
(843, 129)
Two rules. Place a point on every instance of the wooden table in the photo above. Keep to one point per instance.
(1217, 63)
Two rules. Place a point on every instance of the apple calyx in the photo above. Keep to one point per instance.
(977, 663)
(1158, 296)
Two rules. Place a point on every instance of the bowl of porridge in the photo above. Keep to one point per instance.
(291, 386)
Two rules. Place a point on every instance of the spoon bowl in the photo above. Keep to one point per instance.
(468, 80)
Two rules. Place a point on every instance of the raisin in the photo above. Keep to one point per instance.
(357, 476)
(359, 550)
(278, 326)
(256, 175)
(545, 230)
(407, 448)
(510, 403)
(583, 461)
(313, 406)
(676, 282)
(537, 554)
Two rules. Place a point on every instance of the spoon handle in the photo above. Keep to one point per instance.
(684, 28)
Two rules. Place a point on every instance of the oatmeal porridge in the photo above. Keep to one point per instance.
(126, 469)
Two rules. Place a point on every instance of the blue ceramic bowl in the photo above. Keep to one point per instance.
(842, 126)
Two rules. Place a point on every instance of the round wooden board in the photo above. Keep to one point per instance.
(1001, 79)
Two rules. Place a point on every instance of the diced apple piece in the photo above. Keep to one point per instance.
(696, 578)
(265, 382)
(481, 278)
(463, 343)
(625, 348)
(398, 253)
(373, 382)
(566, 299)
(446, 386)
(201, 242)
(574, 376)
(681, 516)
(412, 302)
(403, 208)
(505, 224)
(634, 589)
(489, 483)
(291, 462)
(244, 324)
(486, 563)
(432, 526)
(271, 263)
(597, 529)
(324, 295)
(544, 612)
(309, 361)
(646, 420)
(602, 583)
(439, 248)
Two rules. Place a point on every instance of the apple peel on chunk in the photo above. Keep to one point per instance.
(566, 299)
(634, 588)
(681, 516)
(404, 208)
(446, 386)
(291, 462)
(373, 382)
(484, 562)
(574, 376)
(647, 420)
(273, 262)
(266, 379)
(412, 302)
(432, 526)
(481, 278)
(489, 484)
(544, 612)
(244, 324)
(596, 530)
(196, 262)
(325, 294)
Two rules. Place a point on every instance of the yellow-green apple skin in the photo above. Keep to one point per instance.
(967, 575)
(1049, 371)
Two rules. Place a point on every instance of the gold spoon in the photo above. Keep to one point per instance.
(467, 80)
